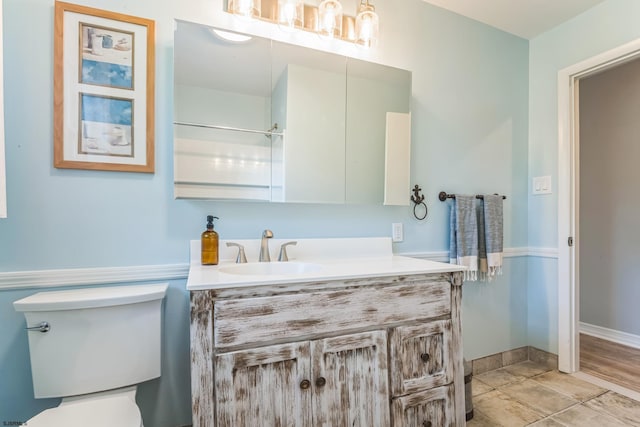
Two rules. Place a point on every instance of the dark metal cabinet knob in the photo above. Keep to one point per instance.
(305, 384)
(425, 357)
(320, 382)
(426, 424)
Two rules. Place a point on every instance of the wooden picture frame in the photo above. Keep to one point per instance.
(104, 90)
(3, 172)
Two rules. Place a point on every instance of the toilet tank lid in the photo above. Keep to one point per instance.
(91, 297)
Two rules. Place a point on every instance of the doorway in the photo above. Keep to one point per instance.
(569, 196)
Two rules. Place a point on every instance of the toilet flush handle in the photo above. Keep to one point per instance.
(42, 327)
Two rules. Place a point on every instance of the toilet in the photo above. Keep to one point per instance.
(92, 346)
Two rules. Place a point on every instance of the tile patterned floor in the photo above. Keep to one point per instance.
(529, 394)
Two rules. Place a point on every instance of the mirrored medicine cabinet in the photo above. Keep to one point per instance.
(257, 119)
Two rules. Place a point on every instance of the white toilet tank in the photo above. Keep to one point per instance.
(98, 338)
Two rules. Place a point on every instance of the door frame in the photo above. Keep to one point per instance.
(568, 196)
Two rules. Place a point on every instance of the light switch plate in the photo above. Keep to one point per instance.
(397, 234)
(542, 185)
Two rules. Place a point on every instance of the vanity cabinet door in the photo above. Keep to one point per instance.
(431, 408)
(421, 357)
(269, 386)
(350, 380)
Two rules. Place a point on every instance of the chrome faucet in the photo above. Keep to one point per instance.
(264, 246)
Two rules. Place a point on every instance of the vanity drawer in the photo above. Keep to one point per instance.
(430, 408)
(421, 357)
(285, 317)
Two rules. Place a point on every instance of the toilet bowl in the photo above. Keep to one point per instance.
(109, 409)
(91, 347)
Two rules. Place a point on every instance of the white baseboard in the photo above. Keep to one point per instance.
(624, 338)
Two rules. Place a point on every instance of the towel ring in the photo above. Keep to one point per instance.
(418, 199)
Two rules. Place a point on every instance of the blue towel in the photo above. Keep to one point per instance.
(493, 234)
(463, 243)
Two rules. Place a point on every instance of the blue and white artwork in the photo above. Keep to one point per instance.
(107, 57)
(106, 125)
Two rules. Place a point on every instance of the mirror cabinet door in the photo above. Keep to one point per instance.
(308, 102)
(222, 102)
(373, 90)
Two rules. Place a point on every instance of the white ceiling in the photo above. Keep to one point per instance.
(524, 18)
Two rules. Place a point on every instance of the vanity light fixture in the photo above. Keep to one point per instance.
(290, 14)
(330, 19)
(326, 19)
(367, 23)
(246, 9)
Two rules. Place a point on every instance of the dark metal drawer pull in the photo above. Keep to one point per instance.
(425, 357)
(305, 384)
(426, 424)
(320, 382)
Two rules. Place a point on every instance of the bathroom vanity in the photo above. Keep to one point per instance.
(372, 340)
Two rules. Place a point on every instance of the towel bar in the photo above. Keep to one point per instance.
(443, 195)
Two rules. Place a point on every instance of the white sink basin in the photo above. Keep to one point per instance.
(271, 268)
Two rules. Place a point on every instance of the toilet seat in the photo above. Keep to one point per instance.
(109, 411)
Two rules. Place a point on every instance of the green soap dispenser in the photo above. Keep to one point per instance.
(209, 239)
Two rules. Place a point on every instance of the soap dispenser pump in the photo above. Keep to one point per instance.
(209, 239)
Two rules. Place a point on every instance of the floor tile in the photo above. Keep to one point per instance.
(499, 377)
(618, 406)
(581, 415)
(551, 360)
(501, 410)
(528, 394)
(570, 386)
(478, 387)
(541, 398)
(527, 369)
(547, 422)
(480, 420)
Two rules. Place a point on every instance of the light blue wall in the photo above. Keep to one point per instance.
(604, 27)
(470, 127)
(494, 314)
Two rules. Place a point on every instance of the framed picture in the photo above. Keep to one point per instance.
(104, 86)
(3, 176)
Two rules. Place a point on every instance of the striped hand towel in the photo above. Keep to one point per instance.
(482, 246)
(463, 242)
(493, 234)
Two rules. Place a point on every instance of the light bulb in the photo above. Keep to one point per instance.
(290, 14)
(330, 12)
(246, 9)
(367, 23)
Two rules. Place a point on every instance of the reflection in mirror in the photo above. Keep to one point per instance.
(330, 111)
(221, 83)
(308, 100)
(373, 90)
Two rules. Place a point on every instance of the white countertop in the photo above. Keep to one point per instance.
(337, 259)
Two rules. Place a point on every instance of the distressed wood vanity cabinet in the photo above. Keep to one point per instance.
(368, 352)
